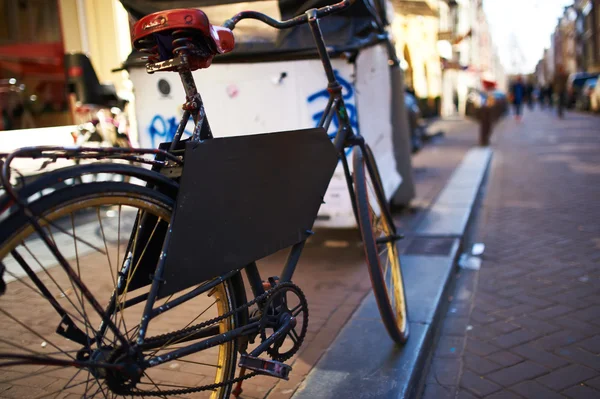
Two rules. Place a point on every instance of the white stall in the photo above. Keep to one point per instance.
(254, 94)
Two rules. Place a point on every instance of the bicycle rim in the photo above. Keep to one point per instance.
(92, 225)
(383, 259)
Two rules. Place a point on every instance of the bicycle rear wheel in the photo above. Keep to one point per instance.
(91, 224)
(381, 252)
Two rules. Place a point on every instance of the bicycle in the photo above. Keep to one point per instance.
(109, 340)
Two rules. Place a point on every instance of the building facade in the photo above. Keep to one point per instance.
(575, 43)
(589, 38)
(415, 29)
(34, 38)
(468, 55)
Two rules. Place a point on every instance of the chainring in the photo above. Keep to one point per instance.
(273, 310)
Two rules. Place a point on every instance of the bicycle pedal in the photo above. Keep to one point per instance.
(272, 282)
(268, 367)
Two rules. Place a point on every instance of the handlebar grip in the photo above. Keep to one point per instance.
(334, 8)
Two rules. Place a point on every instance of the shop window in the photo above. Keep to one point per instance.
(32, 77)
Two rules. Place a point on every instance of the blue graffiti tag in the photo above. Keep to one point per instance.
(161, 130)
(347, 95)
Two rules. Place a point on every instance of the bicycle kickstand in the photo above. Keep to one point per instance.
(237, 391)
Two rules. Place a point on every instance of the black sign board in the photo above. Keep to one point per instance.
(244, 198)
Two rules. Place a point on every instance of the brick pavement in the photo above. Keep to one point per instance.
(526, 324)
(331, 273)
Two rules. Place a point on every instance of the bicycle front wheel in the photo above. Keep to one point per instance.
(381, 252)
(95, 227)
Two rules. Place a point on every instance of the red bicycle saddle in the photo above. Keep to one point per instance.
(165, 34)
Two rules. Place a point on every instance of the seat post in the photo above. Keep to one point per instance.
(194, 105)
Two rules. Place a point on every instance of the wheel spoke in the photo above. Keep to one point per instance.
(33, 332)
(49, 228)
(37, 373)
(132, 273)
(152, 355)
(118, 239)
(112, 272)
(62, 389)
(88, 324)
(5, 341)
(63, 231)
(62, 291)
(84, 214)
(200, 363)
(153, 383)
(87, 384)
(22, 281)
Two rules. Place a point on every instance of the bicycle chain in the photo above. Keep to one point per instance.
(201, 388)
(185, 332)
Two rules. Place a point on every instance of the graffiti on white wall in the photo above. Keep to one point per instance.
(163, 130)
(322, 96)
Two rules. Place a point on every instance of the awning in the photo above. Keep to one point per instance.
(33, 58)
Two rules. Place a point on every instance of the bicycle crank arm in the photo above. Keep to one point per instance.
(285, 328)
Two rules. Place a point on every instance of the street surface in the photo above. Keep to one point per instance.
(526, 325)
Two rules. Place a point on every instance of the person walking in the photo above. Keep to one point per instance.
(517, 91)
(529, 90)
(488, 112)
(560, 88)
(550, 95)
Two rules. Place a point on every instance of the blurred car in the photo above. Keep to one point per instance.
(415, 121)
(575, 84)
(585, 98)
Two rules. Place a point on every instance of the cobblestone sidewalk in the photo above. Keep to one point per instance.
(527, 324)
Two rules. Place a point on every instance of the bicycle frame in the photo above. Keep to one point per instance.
(344, 138)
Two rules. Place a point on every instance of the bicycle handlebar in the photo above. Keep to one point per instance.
(299, 20)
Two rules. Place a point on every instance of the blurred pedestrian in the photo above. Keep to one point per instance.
(517, 91)
(488, 112)
(529, 92)
(560, 89)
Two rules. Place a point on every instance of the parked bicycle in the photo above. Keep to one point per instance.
(160, 289)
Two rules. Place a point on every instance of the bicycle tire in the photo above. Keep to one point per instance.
(16, 229)
(393, 309)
